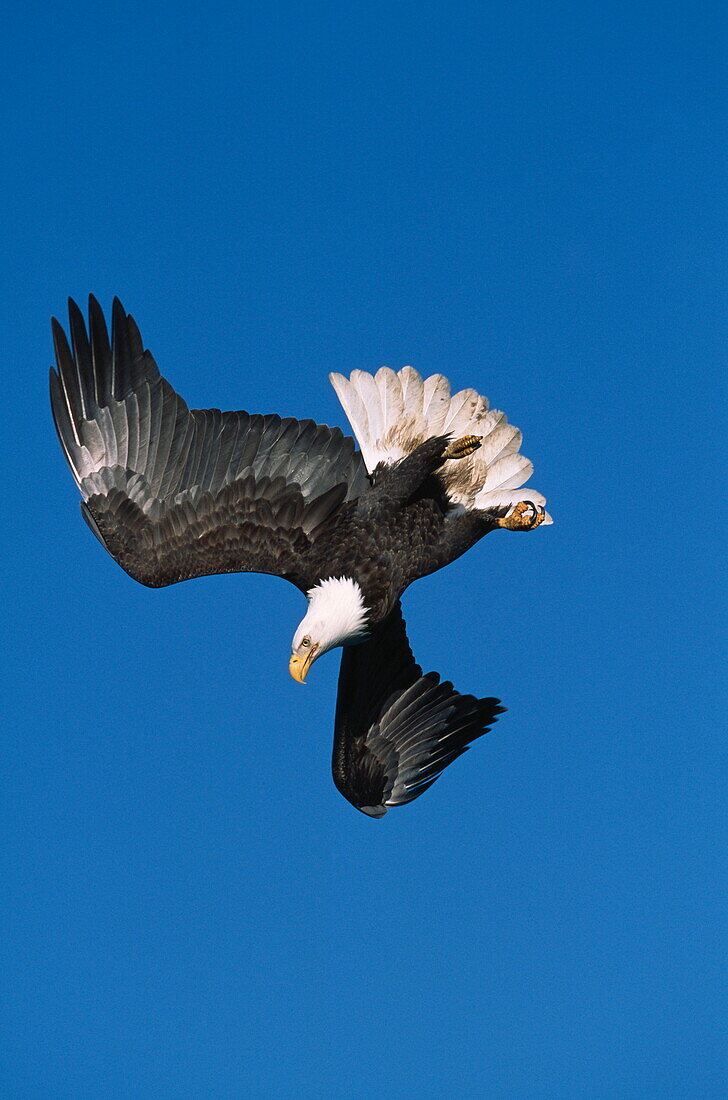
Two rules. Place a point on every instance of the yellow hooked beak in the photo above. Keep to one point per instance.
(298, 666)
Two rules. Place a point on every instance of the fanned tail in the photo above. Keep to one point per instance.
(391, 413)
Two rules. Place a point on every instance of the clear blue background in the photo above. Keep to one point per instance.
(529, 199)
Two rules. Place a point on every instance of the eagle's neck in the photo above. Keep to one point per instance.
(336, 612)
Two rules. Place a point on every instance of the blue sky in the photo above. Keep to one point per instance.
(529, 199)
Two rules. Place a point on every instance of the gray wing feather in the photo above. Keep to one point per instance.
(150, 469)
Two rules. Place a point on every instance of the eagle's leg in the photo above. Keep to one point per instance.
(401, 481)
(460, 531)
(524, 517)
(461, 448)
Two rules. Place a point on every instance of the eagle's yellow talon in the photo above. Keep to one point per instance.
(520, 518)
(461, 448)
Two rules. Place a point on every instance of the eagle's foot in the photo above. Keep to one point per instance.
(524, 517)
(461, 448)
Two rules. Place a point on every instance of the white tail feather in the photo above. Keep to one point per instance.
(391, 413)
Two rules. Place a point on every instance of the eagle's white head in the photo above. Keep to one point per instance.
(336, 616)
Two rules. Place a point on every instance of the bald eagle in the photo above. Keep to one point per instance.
(174, 493)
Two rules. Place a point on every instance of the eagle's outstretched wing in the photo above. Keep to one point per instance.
(174, 493)
(395, 729)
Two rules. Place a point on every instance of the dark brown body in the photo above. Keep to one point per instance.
(399, 529)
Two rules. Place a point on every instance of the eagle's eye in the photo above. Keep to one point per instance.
(306, 642)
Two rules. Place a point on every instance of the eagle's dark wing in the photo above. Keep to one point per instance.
(395, 729)
(174, 493)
